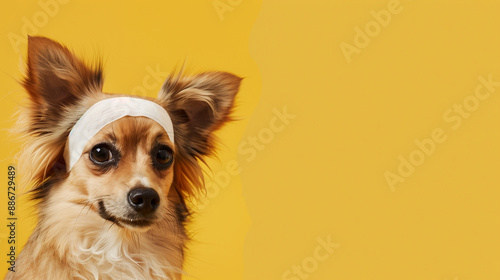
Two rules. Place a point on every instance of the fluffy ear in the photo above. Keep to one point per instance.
(198, 106)
(56, 77)
(56, 80)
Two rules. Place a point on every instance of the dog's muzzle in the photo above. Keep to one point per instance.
(143, 203)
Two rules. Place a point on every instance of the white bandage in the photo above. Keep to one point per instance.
(105, 112)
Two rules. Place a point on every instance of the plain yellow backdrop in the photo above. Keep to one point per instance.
(368, 140)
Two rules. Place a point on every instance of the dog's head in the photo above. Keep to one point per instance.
(128, 169)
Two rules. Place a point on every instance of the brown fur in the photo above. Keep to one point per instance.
(72, 240)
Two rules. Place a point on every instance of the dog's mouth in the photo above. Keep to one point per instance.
(132, 222)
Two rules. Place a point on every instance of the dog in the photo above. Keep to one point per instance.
(110, 173)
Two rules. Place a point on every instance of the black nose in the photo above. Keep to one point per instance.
(143, 200)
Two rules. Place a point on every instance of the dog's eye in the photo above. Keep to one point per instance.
(162, 156)
(100, 154)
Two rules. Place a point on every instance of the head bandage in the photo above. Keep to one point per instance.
(105, 112)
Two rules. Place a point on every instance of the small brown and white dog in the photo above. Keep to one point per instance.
(110, 173)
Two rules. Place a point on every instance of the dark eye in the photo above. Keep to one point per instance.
(162, 157)
(100, 154)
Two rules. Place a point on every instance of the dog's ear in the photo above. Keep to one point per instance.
(56, 78)
(198, 106)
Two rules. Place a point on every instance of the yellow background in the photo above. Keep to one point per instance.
(322, 174)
